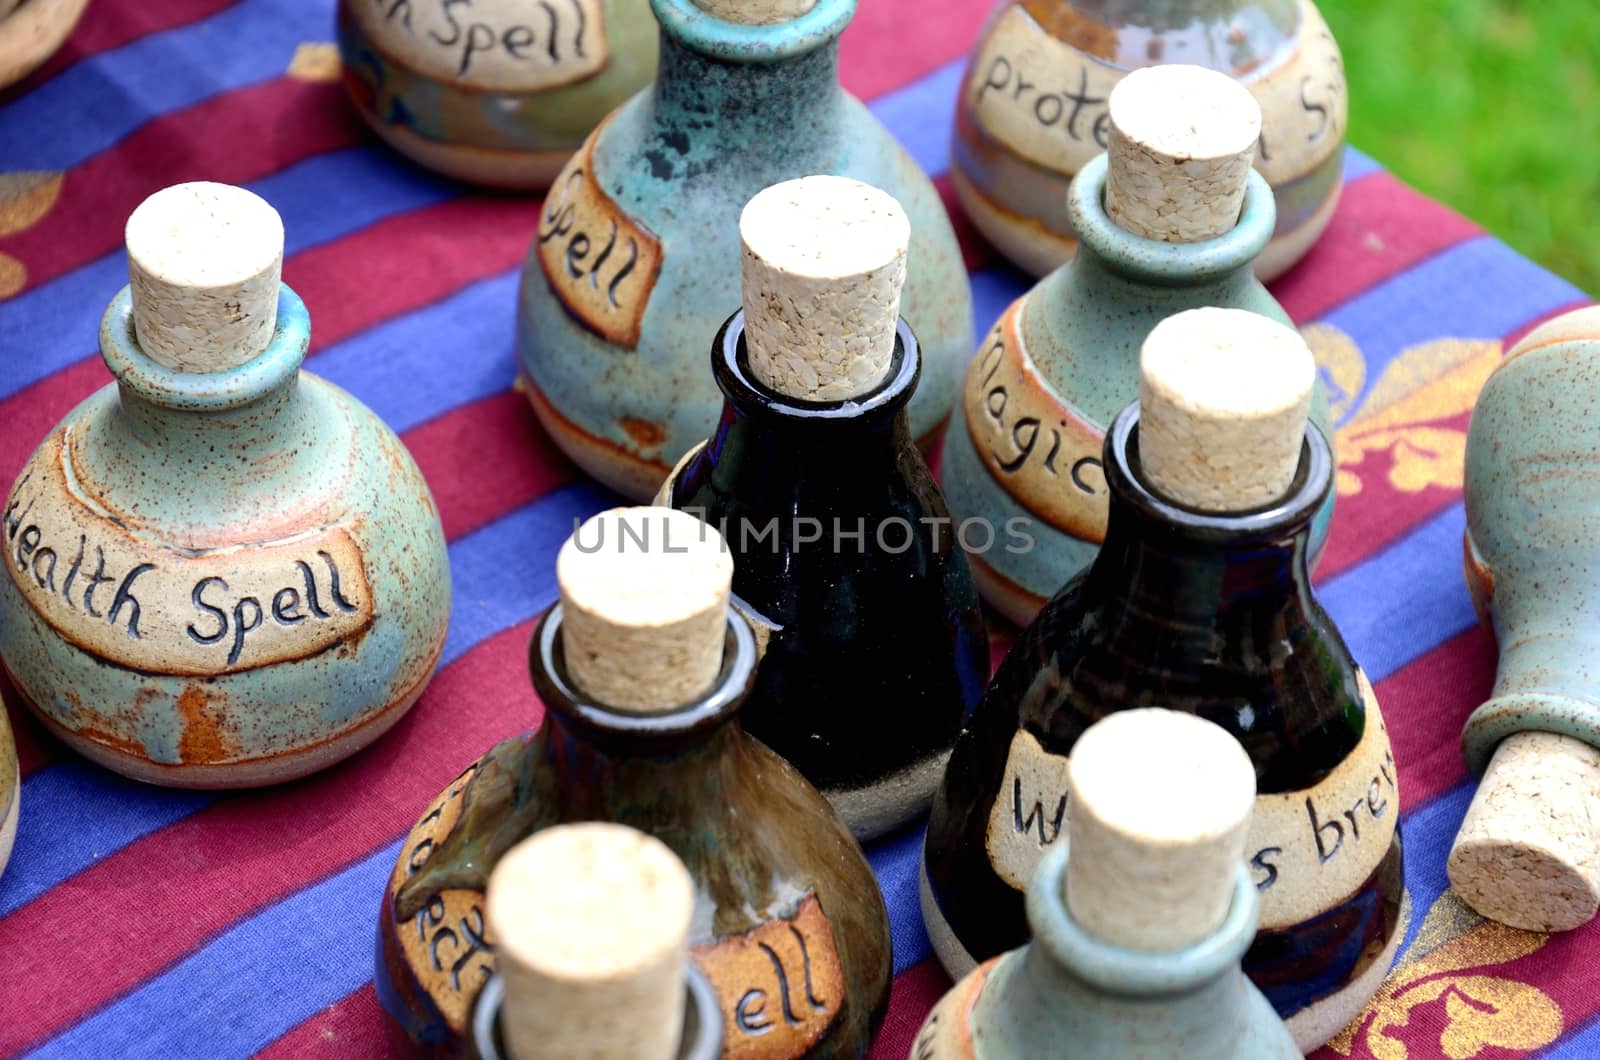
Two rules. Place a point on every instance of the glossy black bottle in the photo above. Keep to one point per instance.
(1211, 614)
(846, 558)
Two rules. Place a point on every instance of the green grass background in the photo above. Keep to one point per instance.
(1490, 106)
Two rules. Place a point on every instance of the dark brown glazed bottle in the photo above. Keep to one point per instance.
(1210, 613)
(788, 925)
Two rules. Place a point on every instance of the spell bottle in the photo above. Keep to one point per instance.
(221, 571)
(1200, 601)
(1138, 923)
(643, 670)
(1032, 109)
(1169, 218)
(848, 563)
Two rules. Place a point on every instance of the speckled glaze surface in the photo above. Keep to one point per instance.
(1110, 1003)
(636, 261)
(875, 649)
(10, 789)
(789, 925)
(1060, 363)
(1529, 543)
(1212, 615)
(31, 32)
(495, 97)
(1033, 109)
(225, 579)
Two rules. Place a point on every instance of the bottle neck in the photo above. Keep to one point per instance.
(274, 419)
(741, 101)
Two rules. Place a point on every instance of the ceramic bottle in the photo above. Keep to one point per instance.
(1032, 110)
(1200, 601)
(630, 268)
(1137, 934)
(592, 928)
(1527, 850)
(847, 562)
(1063, 359)
(10, 789)
(221, 571)
(497, 92)
(642, 672)
(31, 31)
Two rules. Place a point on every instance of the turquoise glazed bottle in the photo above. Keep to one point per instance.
(497, 92)
(1526, 850)
(1033, 109)
(1058, 366)
(1210, 614)
(633, 264)
(224, 577)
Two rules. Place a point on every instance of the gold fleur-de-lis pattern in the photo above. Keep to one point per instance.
(25, 197)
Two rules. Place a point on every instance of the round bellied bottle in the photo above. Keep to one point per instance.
(498, 92)
(31, 31)
(1528, 852)
(1138, 923)
(1170, 218)
(1200, 601)
(642, 671)
(630, 266)
(1033, 110)
(592, 954)
(847, 561)
(221, 571)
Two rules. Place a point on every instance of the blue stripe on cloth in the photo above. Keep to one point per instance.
(1427, 835)
(253, 982)
(321, 199)
(895, 859)
(78, 813)
(99, 101)
(906, 112)
(1358, 164)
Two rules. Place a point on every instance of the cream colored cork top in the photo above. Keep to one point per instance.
(644, 594)
(1181, 144)
(204, 265)
(1223, 399)
(591, 927)
(823, 263)
(756, 12)
(1160, 814)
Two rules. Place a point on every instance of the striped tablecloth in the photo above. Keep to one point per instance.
(139, 921)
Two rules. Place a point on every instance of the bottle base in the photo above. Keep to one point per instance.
(531, 170)
(878, 808)
(957, 962)
(1313, 1025)
(8, 827)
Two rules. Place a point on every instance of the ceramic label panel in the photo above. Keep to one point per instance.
(1308, 850)
(780, 984)
(1046, 101)
(1042, 450)
(599, 262)
(447, 943)
(154, 608)
(491, 45)
(947, 1032)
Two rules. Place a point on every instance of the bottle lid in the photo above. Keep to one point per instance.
(1179, 152)
(823, 263)
(591, 929)
(1223, 400)
(644, 595)
(756, 12)
(204, 265)
(1160, 811)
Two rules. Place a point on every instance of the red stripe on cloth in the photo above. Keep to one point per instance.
(234, 138)
(1425, 704)
(352, 1026)
(350, 284)
(914, 992)
(975, 250)
(1379, 228)
(887, 46)
(105, 27)
(241, 856)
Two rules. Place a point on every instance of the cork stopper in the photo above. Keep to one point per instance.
(1180, 147)
(824, 260)
(755, 12)
(1223, 399)
(204, 264)
(644, 594)
(1528, 852)
(591, 928)
(1160, 813)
